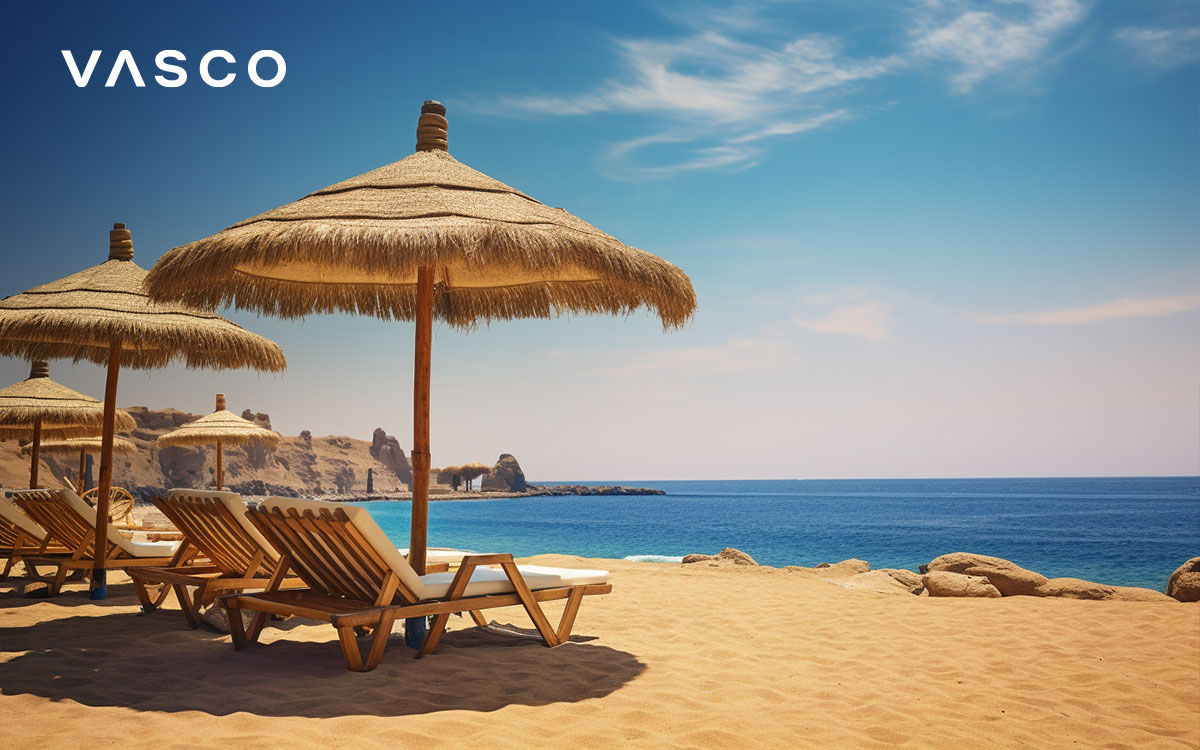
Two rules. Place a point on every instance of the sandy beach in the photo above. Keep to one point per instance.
(676, 657)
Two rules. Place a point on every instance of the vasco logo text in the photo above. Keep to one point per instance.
(217, 61)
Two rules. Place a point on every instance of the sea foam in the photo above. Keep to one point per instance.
(655, 558)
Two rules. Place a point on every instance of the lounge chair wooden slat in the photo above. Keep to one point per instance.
(237, 560)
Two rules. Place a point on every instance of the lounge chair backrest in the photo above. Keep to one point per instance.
(68, 518)
(12, 520)
(216, 523)
(336, 549)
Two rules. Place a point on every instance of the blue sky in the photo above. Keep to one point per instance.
(928, 238)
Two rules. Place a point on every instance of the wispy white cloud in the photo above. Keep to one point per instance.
(984, 40)
(853, 311)
(1126, 307)
(735, 82)
(1162, 47)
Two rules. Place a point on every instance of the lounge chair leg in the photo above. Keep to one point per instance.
(350, 650)
(379, 642)
(568, 616)
(143, 595)
(434, 635)
(479, 619)
(233, 615)
(56, 585)
(190, 608)
(9, 566)
(549, 637)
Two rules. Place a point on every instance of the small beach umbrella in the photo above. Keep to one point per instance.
(83, 446)
(102, 314)
(223, 428)
(424, 237)
(38, 408)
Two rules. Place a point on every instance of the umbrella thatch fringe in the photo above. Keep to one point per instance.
(269, 439)
(25, 432)
(82, 422)
(203, 273)
(148, 341)
(88, 444)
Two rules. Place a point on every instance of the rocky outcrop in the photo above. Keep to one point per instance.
(945, 583)
(386, 450)
(256, 454)
(505, 476)
(583, 489)
(729, 555)
(1077, 588)
(1009, 578)
(1184, 583)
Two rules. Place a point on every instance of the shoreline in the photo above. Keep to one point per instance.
(535, 491)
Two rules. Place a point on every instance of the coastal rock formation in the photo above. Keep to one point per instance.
(853, 566)
(727, 555)
(386, 450)
(1184, 583)
(1077, 588)
(945, 583)
(1009, 578)
(256, 454)
(505, 476)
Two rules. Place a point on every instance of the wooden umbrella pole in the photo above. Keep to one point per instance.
(420, 452)
(220, 473)
(104, 487)
(36, 453)
(82, 470)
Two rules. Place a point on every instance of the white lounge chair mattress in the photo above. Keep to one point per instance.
(486, 581)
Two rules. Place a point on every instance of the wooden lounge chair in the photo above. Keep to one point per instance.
(239, 558)
(20, 536)
(72, 522)
(359, 582)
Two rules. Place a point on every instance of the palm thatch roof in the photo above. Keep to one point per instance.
(87, 444)
(64, 412)
(79, 316)
(356, 246)
(221, 425)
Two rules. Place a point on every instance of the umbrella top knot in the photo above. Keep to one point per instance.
(39, 368)
(120, 243)
(432, 127)
(220, 402)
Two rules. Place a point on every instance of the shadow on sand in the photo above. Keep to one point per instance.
(155, 663)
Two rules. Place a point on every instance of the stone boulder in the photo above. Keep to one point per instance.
(727, 555)
(1009, 578)
(945, 583)
(1075, 588)
(306, 437)
(505, 476)
(850, 567)
(386, 450)
(1184, 583)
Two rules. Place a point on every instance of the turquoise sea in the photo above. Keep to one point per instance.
(1129, 530)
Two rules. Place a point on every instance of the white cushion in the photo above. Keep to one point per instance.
(366, 526)
(486, 581)
(237, 508)
(154, 549)
(14, 515)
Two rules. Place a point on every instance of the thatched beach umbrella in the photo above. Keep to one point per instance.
(223, 428)
(424, 237)
(83, 446)
(38, 408)
(102, 314)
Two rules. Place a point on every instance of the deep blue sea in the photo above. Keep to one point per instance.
(1125, 531)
